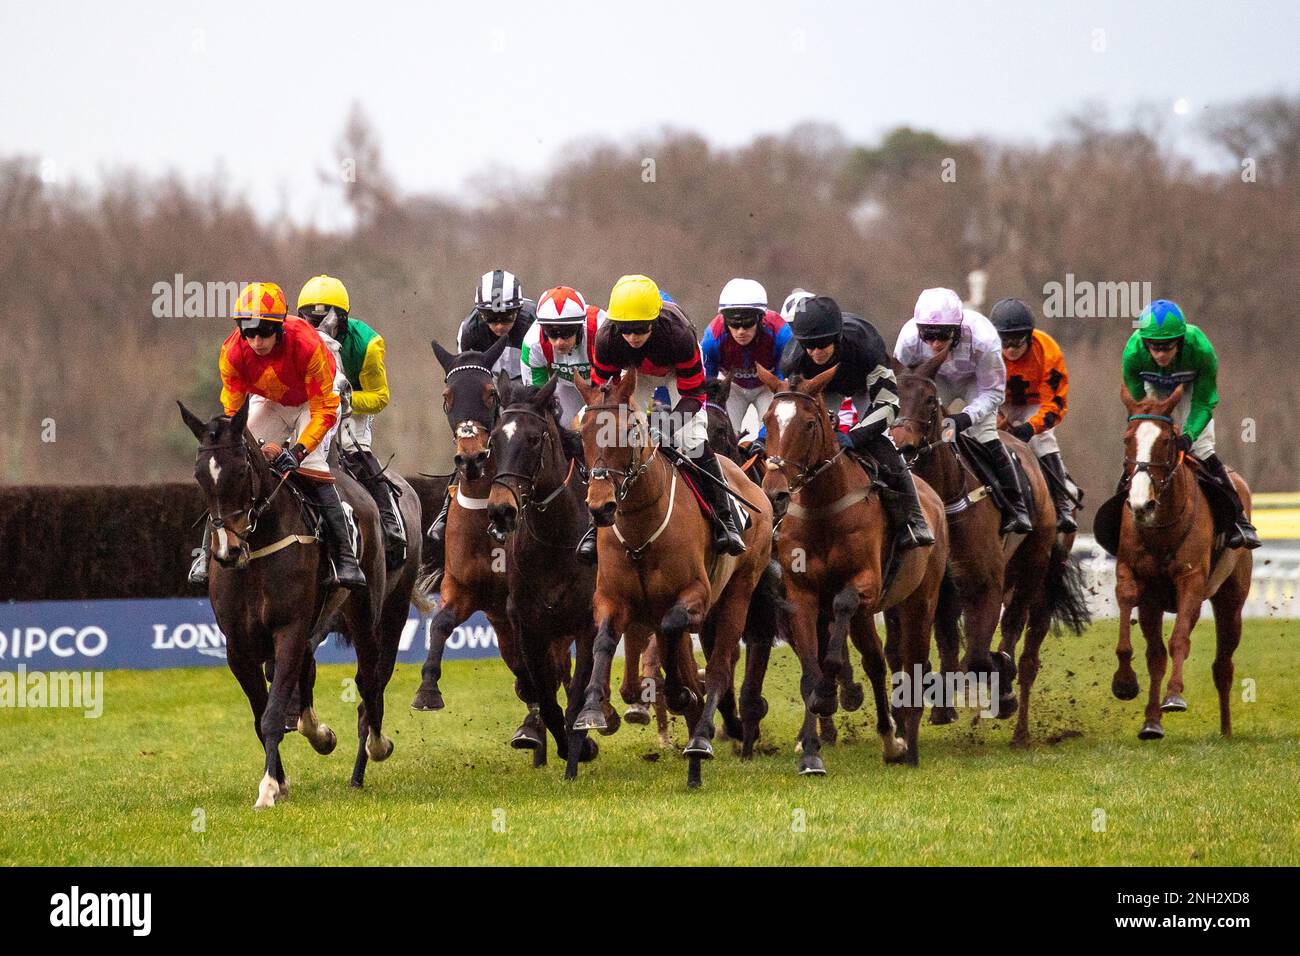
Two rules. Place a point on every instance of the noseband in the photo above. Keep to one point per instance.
(601, 472)
(1171, 465)
(809, 472)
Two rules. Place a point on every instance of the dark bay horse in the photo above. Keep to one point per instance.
(833, 547)
(270, 595)
(476, 568)
(538, 506)
(658, 572)
(1167, 562)
(1032, 575)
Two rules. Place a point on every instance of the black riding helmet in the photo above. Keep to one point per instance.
(818, 317)
(1012, 317)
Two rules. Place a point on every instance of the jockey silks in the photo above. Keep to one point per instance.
(672, 349)
(722, 353)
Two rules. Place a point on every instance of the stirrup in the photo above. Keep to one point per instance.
(586, 549)
(198, 575)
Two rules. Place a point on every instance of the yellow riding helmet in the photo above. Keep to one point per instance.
(324, 290)
(635, 299)
(259, 301)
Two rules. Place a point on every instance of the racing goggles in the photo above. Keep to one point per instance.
(937, 333)
(262, 330)
(635, 328)
(555, 332)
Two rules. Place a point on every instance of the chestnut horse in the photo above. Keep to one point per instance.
(657, 571)
(833, 546)
(1167, 561)
(1032, 575)
(475, 572)
(268, 592)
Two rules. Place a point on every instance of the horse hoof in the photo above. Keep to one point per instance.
(1174, 704)
(1005, 665)
(378, 747)
(427, 698)
(943, 715)
(526, 738)
(1124, 688)
(823, 705)
(614, 721)
(267, 791)
(829, 733)
(638, 714)
(851, 696)
(699, 747)
(1151, 731)
(589, 751)
(325, 742)
(1007, 706)
(590, 719)
(811, 766)
(897, 751)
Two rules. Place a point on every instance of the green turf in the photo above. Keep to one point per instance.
(124, 789)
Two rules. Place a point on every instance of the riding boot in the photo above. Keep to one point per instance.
(435, 552)
(1242, 534)
(725, 536)
(587, 546)
(1060, 491)
(346, 568)
(199, 569)
(1018, 520)
(367, 470)
(911, 529)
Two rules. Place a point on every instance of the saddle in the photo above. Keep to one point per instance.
(738, 511)
(1106, 523)
(977, 458)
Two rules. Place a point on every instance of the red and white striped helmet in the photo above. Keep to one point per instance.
(561, 306)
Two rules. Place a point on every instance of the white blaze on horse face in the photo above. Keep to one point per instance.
(214, 470)
(1139, 491)
(784, 413)
(509, 429)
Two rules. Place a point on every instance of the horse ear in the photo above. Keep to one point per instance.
(492, 354)
(584, 388)
(195, 424)
(930, 366)
(724, 388)
(626, 386)
(546, 393)
(445, 358)
(1130, 403)
(1170, 403)
(239, 420)
(503, 387)
(897, 367)
(815, 384)
(768, 379)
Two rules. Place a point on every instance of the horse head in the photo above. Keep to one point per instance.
(233, 475)
(471, 401)
(524, 441)
(800, 433)
(721, 436)
(615, 436)
(1150, 457)
(920, 413)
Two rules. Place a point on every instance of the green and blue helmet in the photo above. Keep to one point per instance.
(1162, 320)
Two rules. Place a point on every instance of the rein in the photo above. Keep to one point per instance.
(526, 500)
(257, 506)
(808, 473)
(1172, 466)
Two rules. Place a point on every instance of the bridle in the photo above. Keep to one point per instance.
(602, 472)
(257, 503)
(470, 428)
(1171, 465)
(525, 499)
(808, 473)
(911, 453)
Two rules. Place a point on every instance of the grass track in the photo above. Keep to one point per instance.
(124, 789)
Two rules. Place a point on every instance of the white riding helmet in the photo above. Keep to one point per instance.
(562, 306)
(938, 307)
(743, 294)
(792, 301)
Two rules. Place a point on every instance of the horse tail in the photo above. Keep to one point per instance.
(1064, 592)
(420, 596)
(768, 618)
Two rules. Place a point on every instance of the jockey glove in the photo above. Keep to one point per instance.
(960, 422)
(288, 459)
(1183, 443)
(1024, 431)
(843, 439)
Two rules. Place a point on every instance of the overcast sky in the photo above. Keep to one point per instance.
(260, 90)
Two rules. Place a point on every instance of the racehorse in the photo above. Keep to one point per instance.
(1031, 574)
(834, 547)
(672, 584)
(1168, 561)
(475, 571)
(538, 505)
(268, 584)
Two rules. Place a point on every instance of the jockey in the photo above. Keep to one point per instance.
(744, 334)
(824, 338)
(655, 337)
(361, 356)
(561, 342)
(283, 367)
(973, 372)
(499, 309)
(1037, 384)
(1167, 351)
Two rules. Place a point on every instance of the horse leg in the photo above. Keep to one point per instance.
(546, 684)
(1014, 617)
(947, 636)
(250, 674)
(652, 682)
(1190, 589)
(846, 604)
(1150, 617)
(1227, 604)
(753, 705)
(731, 727)
(290, 647)
(429, 696)
(322, 739)
(873, 665)
(982, 614)
(803, 637)
(581, 748)
(592, 715)
(1124, 685)
(726, 622)
(915, 619)
(1040, 619)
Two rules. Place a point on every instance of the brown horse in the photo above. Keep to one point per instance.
(658, 572)
(475, 569)
(833, 547)
(1031, 575)
(271, 599)
(1168, 561)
